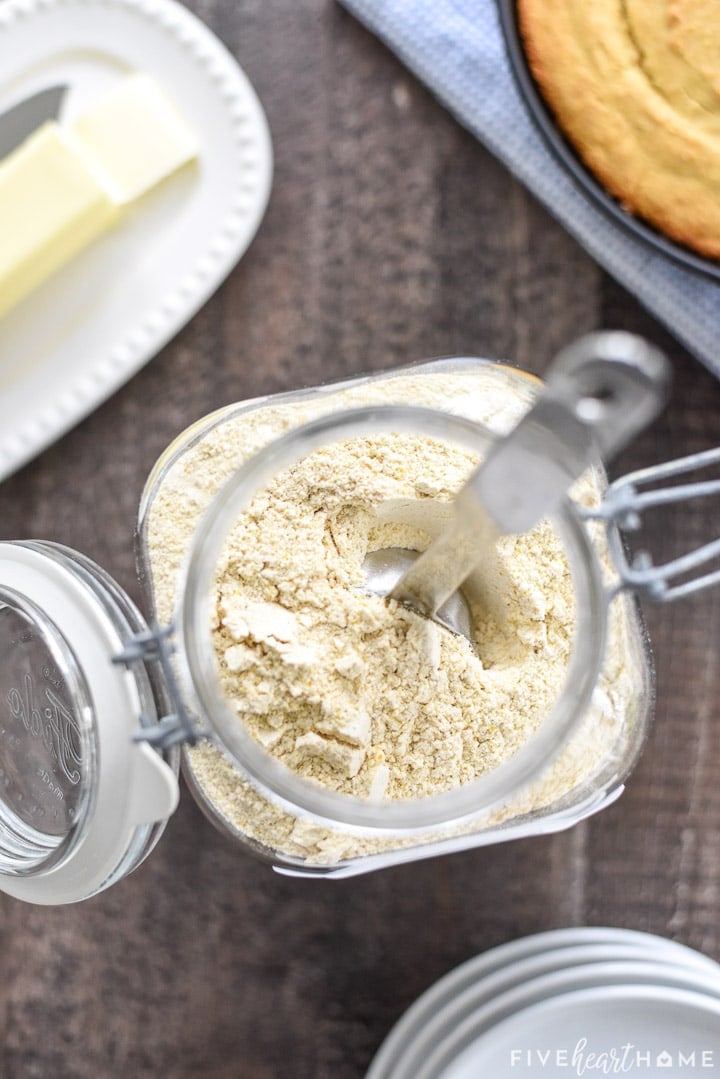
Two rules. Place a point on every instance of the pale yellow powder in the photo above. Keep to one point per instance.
(357, 693)
(364, 695)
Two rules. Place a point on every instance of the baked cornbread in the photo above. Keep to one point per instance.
(635, 86)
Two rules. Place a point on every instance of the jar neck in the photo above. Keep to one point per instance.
(200, 668)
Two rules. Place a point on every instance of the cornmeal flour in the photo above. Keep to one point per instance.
(359, 693)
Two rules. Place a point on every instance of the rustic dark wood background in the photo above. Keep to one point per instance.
(391, 236)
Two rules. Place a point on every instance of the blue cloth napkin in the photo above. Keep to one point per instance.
(456, 48)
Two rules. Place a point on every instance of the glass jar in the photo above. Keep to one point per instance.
(98, 705)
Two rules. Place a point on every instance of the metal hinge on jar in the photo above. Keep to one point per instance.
(154, 645)
(623, 507)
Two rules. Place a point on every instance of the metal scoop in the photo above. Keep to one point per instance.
(600, 392)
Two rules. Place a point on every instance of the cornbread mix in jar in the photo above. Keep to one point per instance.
(325, 726)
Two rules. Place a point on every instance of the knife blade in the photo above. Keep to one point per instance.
(19, 121)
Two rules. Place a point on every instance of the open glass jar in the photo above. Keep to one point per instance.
(98, 707)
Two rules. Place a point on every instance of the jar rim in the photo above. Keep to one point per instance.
(276, 781)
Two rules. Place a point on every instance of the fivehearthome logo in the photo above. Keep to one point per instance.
(585, 1059)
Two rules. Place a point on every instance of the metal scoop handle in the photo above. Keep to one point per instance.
(600, 392)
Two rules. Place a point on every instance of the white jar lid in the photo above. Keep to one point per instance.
(80, 800)
(534, 1005)
(629, 1027)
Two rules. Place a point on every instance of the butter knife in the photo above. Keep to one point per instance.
(19, 121)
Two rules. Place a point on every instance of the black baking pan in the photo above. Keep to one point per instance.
(568, 157)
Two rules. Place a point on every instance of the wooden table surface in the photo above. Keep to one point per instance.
(391, 236)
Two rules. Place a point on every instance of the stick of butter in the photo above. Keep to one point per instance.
(63, 187)
(52, 204)
(135, 136)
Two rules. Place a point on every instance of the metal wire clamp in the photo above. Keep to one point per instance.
(155, 645)
(623, 507)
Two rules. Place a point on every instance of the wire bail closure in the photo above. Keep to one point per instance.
(623, 507)
(155, 646)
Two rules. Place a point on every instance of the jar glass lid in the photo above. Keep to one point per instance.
(82, 801)
(47, 740)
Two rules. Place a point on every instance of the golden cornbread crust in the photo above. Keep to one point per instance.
(635, 86)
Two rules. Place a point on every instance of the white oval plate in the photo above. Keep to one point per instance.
(86, 330)
(444, 992)
(658, 1024)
